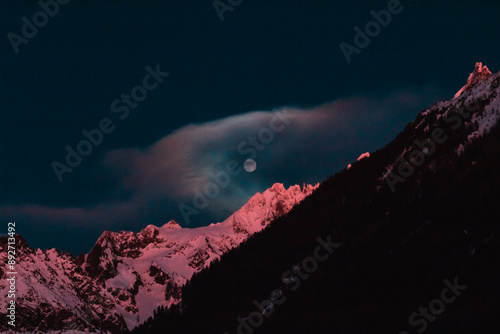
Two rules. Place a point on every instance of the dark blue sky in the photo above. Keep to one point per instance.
(264, 55)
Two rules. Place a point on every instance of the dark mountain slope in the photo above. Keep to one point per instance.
(397, 247)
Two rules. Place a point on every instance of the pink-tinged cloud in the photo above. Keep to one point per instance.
(310, 145)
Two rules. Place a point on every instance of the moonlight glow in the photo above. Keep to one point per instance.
(250, 165)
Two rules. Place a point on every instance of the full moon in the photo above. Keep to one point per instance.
(250, 165)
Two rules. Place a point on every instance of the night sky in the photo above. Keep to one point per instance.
(227, 81)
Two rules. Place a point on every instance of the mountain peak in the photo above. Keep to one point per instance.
(104, 238)
(278, 187)
(480, 73)
(172, 225)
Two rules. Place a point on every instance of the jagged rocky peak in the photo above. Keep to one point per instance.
(127, 274)
(21, 243)
(106, 236)
(308, 188)
(280, 188)
(277, 187)
(480, 73)
(172, 225)
(149, 231)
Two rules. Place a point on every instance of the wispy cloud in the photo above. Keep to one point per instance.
(315, 143)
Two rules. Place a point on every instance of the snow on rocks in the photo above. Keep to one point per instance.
(127, 275)
(479, 74)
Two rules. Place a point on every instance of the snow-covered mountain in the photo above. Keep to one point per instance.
(408, 217)
(480, 73)
(127, 275)
(471, 114)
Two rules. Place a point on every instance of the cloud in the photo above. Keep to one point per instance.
(75, 216)
(310, 145)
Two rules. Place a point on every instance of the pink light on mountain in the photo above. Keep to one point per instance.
(480, 73)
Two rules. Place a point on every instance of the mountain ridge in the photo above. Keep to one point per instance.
(398, 245)
(127, 275)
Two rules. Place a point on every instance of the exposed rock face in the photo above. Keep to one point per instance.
(479, 74)
(127, 275)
